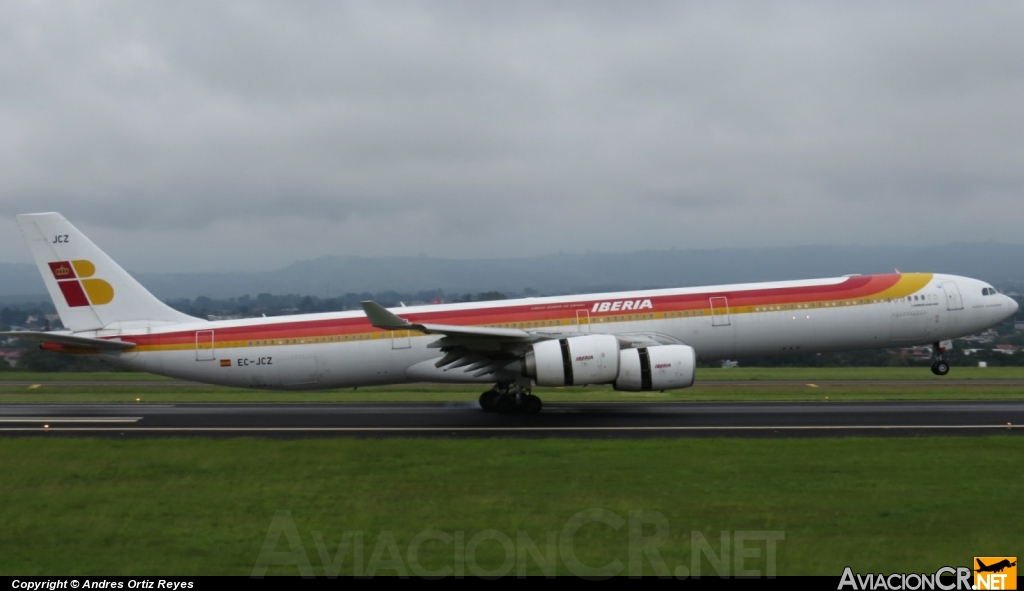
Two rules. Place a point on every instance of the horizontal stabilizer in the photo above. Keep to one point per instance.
(69, 340)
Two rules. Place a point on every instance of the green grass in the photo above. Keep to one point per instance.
(922, 374)
(440, 394)
(204, 506)
(712, 385)
(90, 376)
(703, 374)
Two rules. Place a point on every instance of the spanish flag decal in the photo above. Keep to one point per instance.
(79, 288)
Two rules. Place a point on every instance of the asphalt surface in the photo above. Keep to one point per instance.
(730, 383)
(590, 420)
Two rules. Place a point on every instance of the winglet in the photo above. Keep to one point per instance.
(381, 318)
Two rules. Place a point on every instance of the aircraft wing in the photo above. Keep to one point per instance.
(635, 340)
(69, 340)
(482, 350)
(488, 350)
(380, 317)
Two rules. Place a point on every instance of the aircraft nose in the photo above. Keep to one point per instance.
(1014, 306)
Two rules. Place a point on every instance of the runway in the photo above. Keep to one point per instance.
(584, 420)
(942, 382)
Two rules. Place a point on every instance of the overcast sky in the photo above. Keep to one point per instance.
(245, 135)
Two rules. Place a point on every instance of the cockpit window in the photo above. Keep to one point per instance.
(988, 291)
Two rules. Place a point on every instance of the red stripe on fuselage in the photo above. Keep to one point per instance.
(851, 288)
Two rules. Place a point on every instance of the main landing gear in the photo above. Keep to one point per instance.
(941, 366)
(506, 398)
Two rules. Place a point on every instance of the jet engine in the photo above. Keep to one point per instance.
(575, 361)
(656, 368)
(597, 359)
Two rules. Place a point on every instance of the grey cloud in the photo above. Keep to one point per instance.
(263, 132)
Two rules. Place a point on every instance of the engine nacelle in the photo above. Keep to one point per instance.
(656, 368)
(575, 361)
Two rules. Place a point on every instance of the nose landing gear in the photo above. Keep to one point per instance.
(506, 398)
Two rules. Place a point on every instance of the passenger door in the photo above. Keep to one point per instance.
(204, 345)
(583, 320)
(953, 299)
(720, 312)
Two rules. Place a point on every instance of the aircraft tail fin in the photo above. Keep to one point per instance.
(90, 290)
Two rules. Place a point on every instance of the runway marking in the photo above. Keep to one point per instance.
(541, 429)
(70, 420)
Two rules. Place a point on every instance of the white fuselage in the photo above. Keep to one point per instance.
(721, 322)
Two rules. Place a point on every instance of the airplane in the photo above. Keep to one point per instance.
(994, 568)
(635, 341)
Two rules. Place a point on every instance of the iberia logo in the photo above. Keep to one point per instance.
(995, 572)
(74, 279)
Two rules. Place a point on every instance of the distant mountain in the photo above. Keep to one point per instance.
(568, 273)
